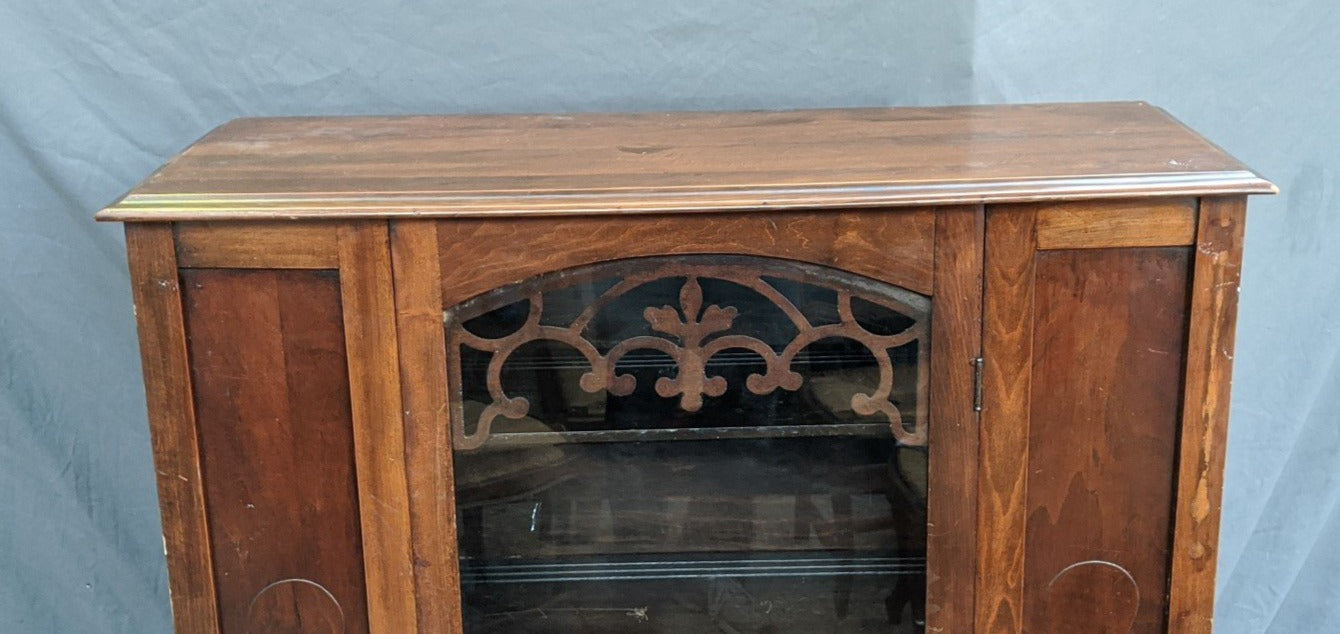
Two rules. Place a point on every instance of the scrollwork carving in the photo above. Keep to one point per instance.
(692, 333)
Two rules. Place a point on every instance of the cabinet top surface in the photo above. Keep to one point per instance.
(515, 165)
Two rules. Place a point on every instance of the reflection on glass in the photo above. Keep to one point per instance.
(698, 444)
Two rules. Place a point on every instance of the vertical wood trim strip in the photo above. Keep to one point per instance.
(956, 331)
(1011, 246)
(379, 442)
(167, 387)
(423, 366)
(1200, 478)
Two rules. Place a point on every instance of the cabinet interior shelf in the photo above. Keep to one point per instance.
(770, 565)
(876, 430)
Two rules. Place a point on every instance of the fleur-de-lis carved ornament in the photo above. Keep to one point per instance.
(692, 335)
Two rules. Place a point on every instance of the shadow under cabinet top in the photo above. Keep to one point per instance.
(579, 164)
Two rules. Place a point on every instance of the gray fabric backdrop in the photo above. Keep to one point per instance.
(94, 94)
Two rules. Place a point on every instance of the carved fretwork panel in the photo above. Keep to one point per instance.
(692, 329)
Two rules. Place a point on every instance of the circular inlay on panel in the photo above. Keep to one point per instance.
(295, 606)
(1092, 596)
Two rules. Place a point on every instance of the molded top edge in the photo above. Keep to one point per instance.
(580, 164)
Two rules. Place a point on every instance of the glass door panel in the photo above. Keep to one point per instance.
(691, 444)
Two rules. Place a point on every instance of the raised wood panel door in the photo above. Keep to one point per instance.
(1086, 338)
(270, 356)
(276, 439)
(606, 507)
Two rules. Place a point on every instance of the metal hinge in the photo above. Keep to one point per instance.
(977, 384)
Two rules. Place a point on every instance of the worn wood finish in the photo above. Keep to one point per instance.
(1090, 225)
(890, 246)
(423, 361)
(272, 401)
(379, 441)
(1214, 299)
(257, 245)
(956, 328)
(1109, 329)
(1059, 241)
(296, 606)
(1007, 346)
(618, 164)
(172, 426)
(1093, 596)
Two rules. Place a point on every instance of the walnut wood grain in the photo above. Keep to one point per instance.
(1209, 365)
(1096, 597)
(1049, 512)
(512, 165)
(890, 246)
(1108, 340)
(423, 366)
(172, 426)
(276, 439)
(296, 606)
(1007, 347)
(379, 442)
(956, 329)
(1096, 225)
(258, 245)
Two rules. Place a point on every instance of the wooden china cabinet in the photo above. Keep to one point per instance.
(876, 370)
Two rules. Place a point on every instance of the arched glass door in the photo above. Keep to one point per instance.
(691, 444)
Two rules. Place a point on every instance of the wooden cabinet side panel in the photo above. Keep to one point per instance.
(172, 425)
(272, 400)
(1209, 367)
(1108, 341)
